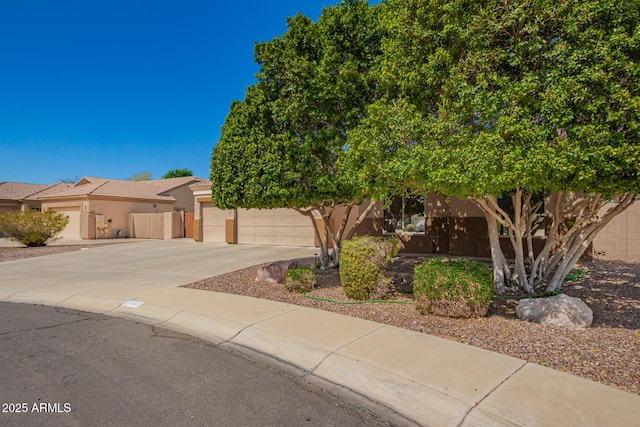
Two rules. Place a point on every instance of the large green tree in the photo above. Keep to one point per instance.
(282, 145)
(531, 100)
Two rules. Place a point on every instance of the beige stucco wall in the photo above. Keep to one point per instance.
(620, 239)
(117, 211)
(184, 198)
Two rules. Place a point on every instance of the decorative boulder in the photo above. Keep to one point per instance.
(560, 310)
(275, 272)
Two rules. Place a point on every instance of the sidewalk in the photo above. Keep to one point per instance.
(428, 380)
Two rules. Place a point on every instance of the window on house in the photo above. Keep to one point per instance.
(404, 213)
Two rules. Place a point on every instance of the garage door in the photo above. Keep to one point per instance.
(213, 223)
(72, 230)
(274, 227)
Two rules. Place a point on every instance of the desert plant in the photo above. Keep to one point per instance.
(453, 287)
(301, 279)
(33, 228)
(362, 267)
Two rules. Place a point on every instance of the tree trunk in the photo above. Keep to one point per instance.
(589, 225)
(330, 257)
(501, 271)
(563, 247)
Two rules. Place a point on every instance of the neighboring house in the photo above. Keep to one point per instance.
(448, 226)
(107, 208)
(255, 226)
(250, 226)
(16, 196)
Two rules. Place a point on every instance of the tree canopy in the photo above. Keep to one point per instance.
(536, 101)
(526, 99)
(281, 146)
(177, 173)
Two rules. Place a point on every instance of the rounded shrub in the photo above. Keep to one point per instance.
(33, 228)
(362, 263)
(301, 279)
(453, 287)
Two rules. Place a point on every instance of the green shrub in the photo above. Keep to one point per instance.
(301, 279)
(362, 264)
(33, 228)
(453, 287)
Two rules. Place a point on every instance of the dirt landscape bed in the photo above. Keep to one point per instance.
(608, 352)
(14, 253)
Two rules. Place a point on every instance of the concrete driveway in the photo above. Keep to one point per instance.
(158, 262)
(424, 380)
(128, 270)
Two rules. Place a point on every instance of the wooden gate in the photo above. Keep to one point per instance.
(188, 224)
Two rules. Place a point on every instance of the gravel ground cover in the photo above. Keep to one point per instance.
(608, 352)
(13, 253)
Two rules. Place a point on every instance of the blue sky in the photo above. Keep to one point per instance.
(112, 88)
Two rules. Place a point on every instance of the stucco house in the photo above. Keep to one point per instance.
(108, 208)
(453, 226)
(19, 196)
(447, 226)
(105, 208)
(261, 226)
(250, 226)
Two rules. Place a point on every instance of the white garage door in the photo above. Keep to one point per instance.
(274, 227)
(213, 223)
(72, 230)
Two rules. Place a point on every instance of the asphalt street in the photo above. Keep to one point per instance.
(66, 367)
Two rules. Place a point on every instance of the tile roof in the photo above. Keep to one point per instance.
(113, 188)
(153, 189)
(88, 180)
(167, 184)
(21, 191)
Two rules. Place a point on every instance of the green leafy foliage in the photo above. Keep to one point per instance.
(486, 97)
(33, 228)
(177, 173)
(482, 100)
(281, 145)
(576, 275)
(362, 266)
(453, 287)
(301, 279)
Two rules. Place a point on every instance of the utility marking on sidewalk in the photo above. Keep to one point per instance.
(132, 304)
